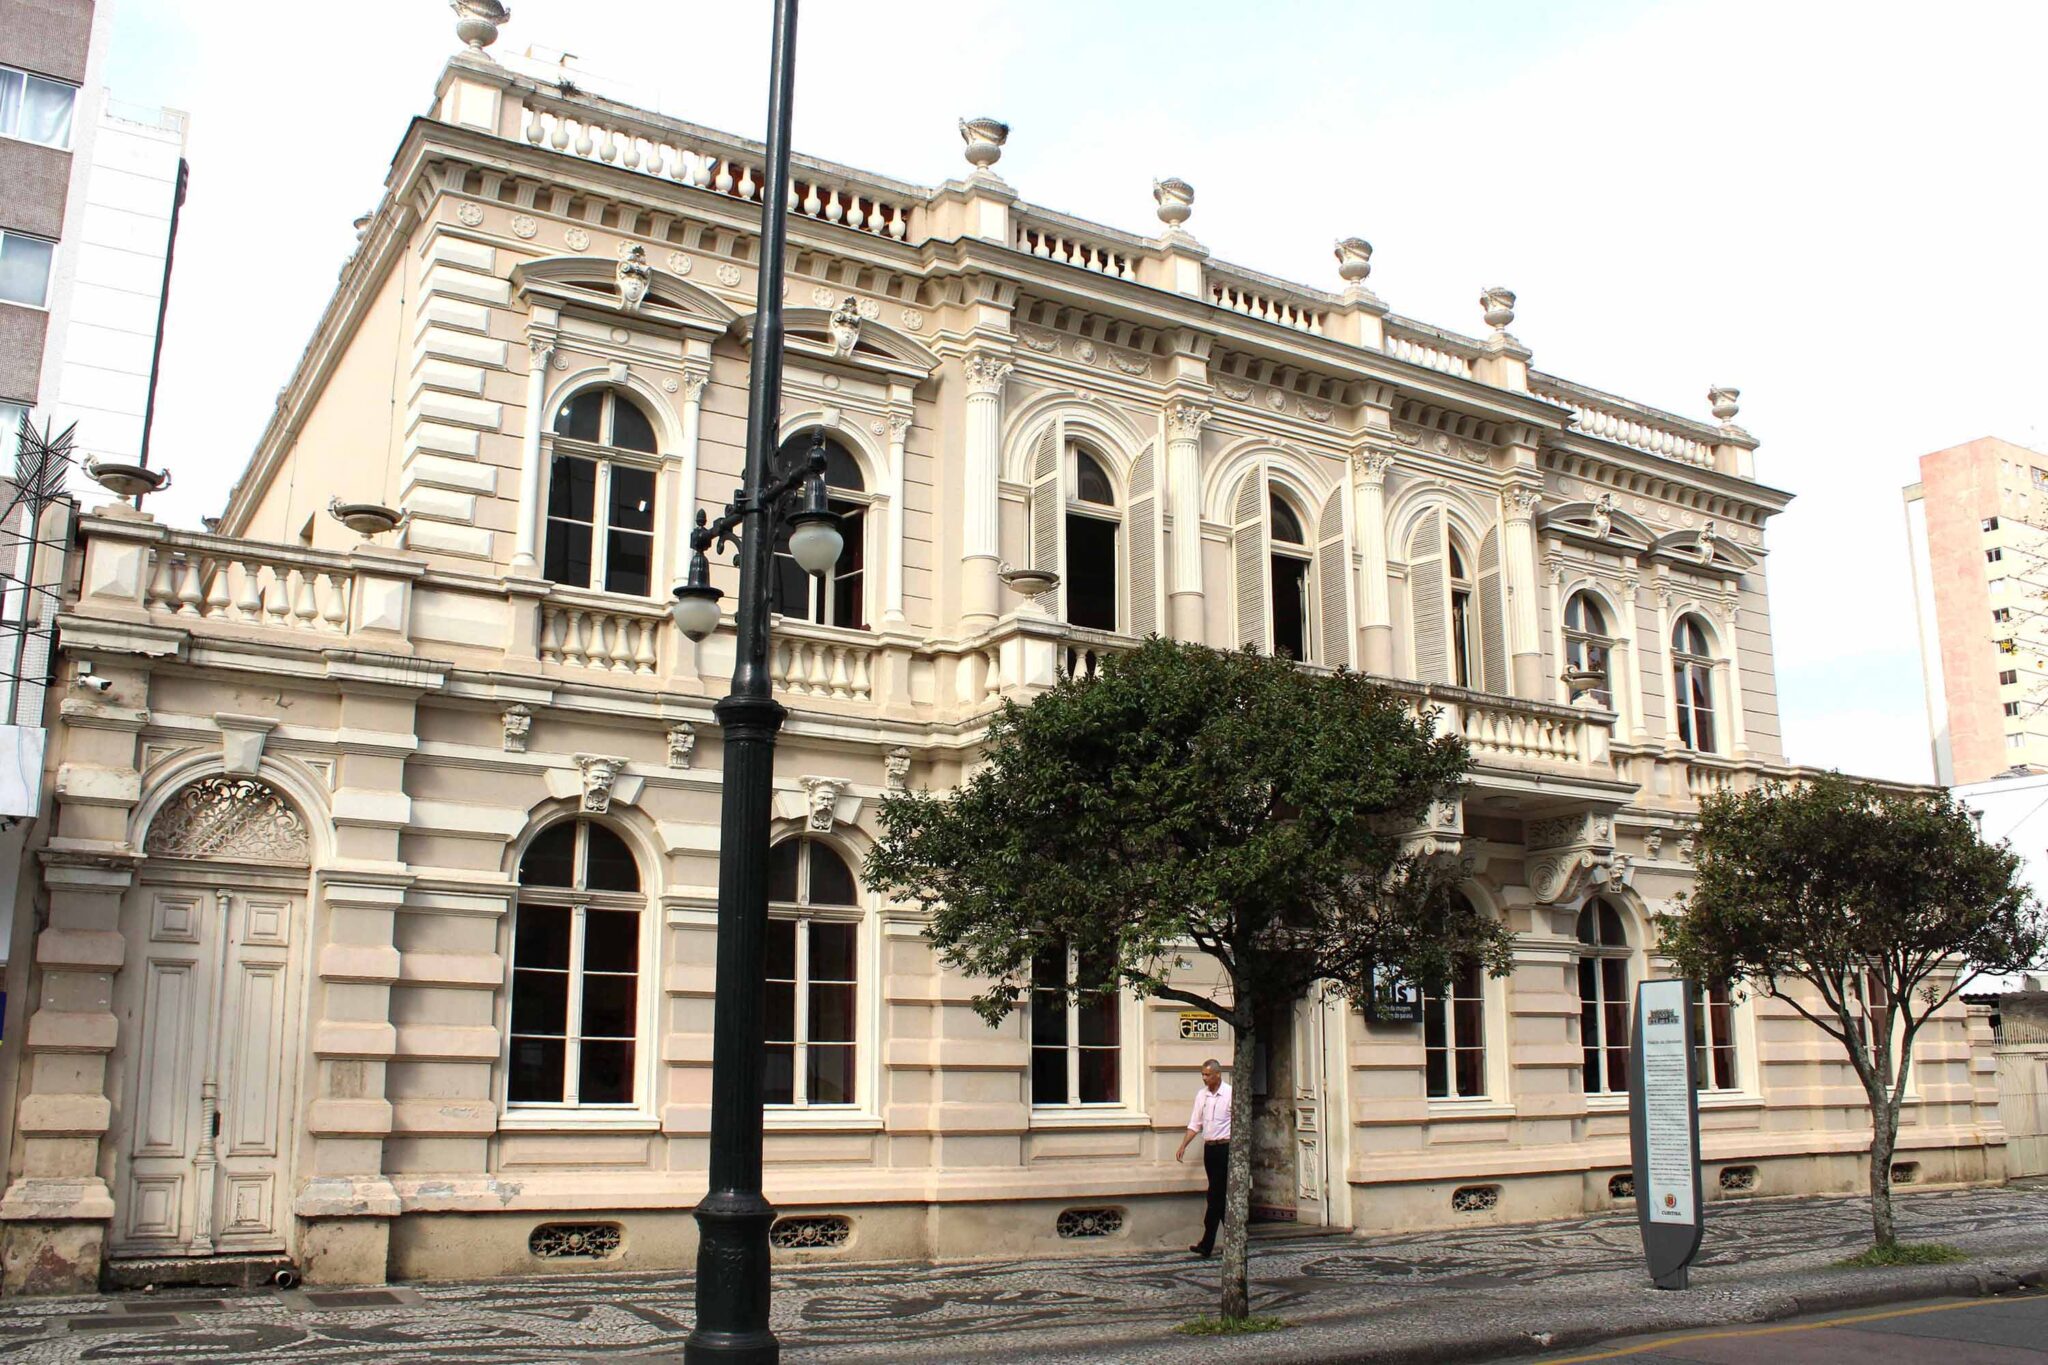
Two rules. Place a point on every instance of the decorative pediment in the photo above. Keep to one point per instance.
(865, 344)
(236, 819)
(1599, 524)
(627, 286)
(1703, 549)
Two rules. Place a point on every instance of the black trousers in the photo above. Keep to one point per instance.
(1216, 1163)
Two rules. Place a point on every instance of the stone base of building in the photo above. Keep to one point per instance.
(354, 1251)
(51, 1258)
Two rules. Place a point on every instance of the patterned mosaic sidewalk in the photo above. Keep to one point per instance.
(1344, 1295)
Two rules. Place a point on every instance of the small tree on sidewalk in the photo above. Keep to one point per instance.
(1864, 909)
(1229, 801)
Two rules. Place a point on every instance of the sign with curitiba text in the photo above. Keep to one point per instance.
(1664, 1129)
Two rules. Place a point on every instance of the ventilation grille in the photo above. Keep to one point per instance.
(1622, 1186)
(1905, 1172)
(821, 1232)
(575, 1241)
(1090, 1222)
(1738, 1179)
(1475, 1198)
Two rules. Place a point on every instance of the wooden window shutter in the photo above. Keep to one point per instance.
(1049, 512)
(1248, 541)
(1493, 649)
(1429, 598)
(1144, 553)
(1333, 584)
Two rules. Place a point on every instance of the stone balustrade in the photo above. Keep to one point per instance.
(602, 636)
(224, 580)
(1052, 239)
(1624, 423)
(1256, 298)
(1429, 348)
(814, 661)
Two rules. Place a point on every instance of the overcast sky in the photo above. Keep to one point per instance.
(1834, 207)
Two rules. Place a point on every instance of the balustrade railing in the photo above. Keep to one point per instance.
(244, 584)
(814, 666)
(1055, 243)
(1267, 303)
(1518, 735)
(1624, 424)
(605, 639)
(1428, 350)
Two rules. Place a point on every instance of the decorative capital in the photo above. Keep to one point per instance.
(1372, 466)
(1521, 502)
(540, 345)
(986, 373)
(1184, 420)
(899, 426)
(600, 772)
(693, 384)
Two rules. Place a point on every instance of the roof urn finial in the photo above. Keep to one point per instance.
(1724, 401)
(984, 138)
(477, 22)
(1354, 260)
(1176, 200)
(1498, 307)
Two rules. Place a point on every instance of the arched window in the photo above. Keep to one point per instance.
(1106, 553)
(1454, 601)
(1603, 998)
(1076, 1044)
(813, 976)
(840, 597)
(576, 1001)
(1713, 1032)
(1692, 683)
(600, 512)
(1454, 1035)
(1292, 586)
(1092, 523)
(1587, 642)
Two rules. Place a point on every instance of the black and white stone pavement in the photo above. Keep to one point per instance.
(1464, 1294)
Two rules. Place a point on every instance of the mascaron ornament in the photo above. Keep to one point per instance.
(635, 275)
(846, 326)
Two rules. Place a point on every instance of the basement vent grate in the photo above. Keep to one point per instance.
(575, 1241)
(818, 1232)
(1905, 1172)
(1738, 1179)
(1090, 1222)
(1622, 1186)
(1475, 1198)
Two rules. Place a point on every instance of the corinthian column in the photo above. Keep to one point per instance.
(1518, 566)
(1187, 613)
(979, 535)
(1369, 470)
(525, 556)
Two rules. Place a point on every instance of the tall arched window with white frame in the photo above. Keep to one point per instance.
(839, 596)
(1604, 955)
(1454, 1035)
(600, 500)
(1292, 591)
(1455, 605)
(813, 977)
(1105, 550)
(1692, 683)
(1589, 644)
(1093, 565)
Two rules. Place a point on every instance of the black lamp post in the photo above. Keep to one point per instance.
(733, 1218)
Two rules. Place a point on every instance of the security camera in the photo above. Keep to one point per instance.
(90, 679)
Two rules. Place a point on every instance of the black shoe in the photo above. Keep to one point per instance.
(1201, 1251)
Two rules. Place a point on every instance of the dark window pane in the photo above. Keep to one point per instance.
(1285, 526)
(782, 871)
(1724, 1067)
(551, 858)
(572, 488)
(540, 1002)
(607, 1076)
(781, 950)
(831, 879)
(1434, 1024)
(841, 469)
(536, 1073)
(1471, 1028)
(609, 864)
(1049, 968)
(629, 563)
(1091, 573)
(1461, 637)
(831, 1018)
(779, 1022)
(568, 553)
(778, 1075)
(1091, 483)
(632, 500)
(1617, 1069)
(609, 1003)
(1611, 932)
(1290, 607)
(540, 938)
(1435, 1073)
(1586, 925)
(1099, 1075)
(578, 418)
(630, 428)
(1471, 1072)
(1614, 984)
(1048, 1075)
(828, 1075)
(1048, 1019)
(848, 579)
(832, 949)
(791, 586)
(1098, 1020)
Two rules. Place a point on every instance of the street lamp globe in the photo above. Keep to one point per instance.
(695, 609)
(814, 539)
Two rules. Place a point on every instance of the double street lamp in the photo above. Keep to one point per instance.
(785, 490)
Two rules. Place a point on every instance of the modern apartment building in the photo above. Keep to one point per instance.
(1977, 531)
(381, 890)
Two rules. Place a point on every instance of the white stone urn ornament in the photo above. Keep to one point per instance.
(127, 480)
(1176, 200)
(1498, 307)
(1354, 260)
(1724, 401)
(1583, 682)
(477, 22)
(366, 519)
(1028, 582)
(984, 138)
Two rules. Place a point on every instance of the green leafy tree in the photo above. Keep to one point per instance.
(1229, 801)
(1864, 909)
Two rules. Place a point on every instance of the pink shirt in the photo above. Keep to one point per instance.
(1211, 1116)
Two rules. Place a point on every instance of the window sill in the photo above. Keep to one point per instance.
(1477, 1108)
(1607, 1102)
(1730, 1099)
(577, 1120)
(820, 1120)
(1078, 1116)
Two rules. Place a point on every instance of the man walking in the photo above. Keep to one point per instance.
(1211, 1120)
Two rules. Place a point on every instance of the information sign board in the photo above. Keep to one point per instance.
(1664, 1128)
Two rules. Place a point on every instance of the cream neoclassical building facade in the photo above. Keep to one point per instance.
(376, 913)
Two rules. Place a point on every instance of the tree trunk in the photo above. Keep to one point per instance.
(1884, 1138)
(1238, 1198)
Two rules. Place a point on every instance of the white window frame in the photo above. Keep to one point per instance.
(1302, 552)
(1580, 643)
(44, 305)
(1488, 1052)
(71, 124)
(11, 414)
(820, 587)
(570, 1112)
(865, 1112)
(1129, 1036)
(605, 457)
(1683, 665)
(1112, 514)
(1626, 954)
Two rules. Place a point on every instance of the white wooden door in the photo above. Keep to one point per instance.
(1311, 1152)
(206, 1024)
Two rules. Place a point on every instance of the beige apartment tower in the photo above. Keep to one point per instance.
(380, 889)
